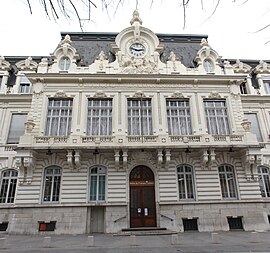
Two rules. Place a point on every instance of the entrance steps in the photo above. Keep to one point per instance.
(143, 231)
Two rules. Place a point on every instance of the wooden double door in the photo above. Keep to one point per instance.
(142, 197)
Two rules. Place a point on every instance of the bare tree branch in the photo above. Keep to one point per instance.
(214, 11)
(30, 7)
(262, 28)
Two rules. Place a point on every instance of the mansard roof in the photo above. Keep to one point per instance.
(89, 45)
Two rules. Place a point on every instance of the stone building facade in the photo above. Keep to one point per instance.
(135, 129)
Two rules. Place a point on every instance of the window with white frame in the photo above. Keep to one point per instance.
(264, 181)
(52, 183)
(255, 128)
(25, 85)
(59, 117)
(99, 118)
(97, 183)
(208, 66)
(227, 181)
(16, 129)
(217, 117)
(266, 84)
(185, 182)
(8, 186)
(64, 63)
(178, 117)
(139, 117)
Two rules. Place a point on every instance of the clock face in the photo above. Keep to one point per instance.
(137, 49)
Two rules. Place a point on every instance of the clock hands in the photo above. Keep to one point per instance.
(137, 49)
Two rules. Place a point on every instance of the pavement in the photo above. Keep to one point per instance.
(188, 242)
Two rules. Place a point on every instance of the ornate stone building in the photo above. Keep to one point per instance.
(136, 129)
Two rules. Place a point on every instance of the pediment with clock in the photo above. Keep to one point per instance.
(137, 49)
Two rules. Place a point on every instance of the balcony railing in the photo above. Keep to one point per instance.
(185, 139)
(149, 138)
(128, 140)
(95, 139)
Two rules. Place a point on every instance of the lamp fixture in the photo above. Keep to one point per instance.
(187, 151)
(49, 151)
(96, 152)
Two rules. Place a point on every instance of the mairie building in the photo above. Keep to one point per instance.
(129, 130)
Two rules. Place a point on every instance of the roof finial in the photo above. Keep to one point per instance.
(136, 18)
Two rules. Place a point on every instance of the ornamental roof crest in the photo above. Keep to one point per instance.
(263, 67)
(27, 64)
(240, 67)
(4, 65)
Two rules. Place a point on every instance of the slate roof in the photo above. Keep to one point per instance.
(89, 45)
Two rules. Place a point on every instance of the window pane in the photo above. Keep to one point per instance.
(255, 128)
(93, 189)
(216, 117)
(266, 84)
(52, 184)
(227, 181)
(264, 183)
(16, 129)
(139, 117)
(178, 117)
(59, 117)
(97, 184)
(99, 117)
(8, 186)
(185, 182)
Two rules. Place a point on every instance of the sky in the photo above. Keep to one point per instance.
(231, 29)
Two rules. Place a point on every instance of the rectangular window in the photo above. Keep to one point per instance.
(1, 78)
(266, 84)
(178, 116)
(3, 226)
(235, 223)
(97, 184)
(46, 226)
(227, 182)
(243, 88)
(140, 117)
(185, 182)
(255, 128)
(59, 117)
(16, 129)
(190, 224)
(52, 183)
(24, 85)
(99, 119)
(217, 117)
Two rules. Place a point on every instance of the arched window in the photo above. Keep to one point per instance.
(227, 181)
(52, 183)
(97, 183)
(8, 186)
(208, 65)
(64, 63)
(185, 182)
(264, 183)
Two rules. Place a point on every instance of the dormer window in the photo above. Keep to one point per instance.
(208, 65)
(64, 63)
(25, 85)
(266, 84)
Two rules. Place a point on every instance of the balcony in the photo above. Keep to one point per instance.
(151, 141)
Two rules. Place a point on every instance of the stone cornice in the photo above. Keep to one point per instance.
(147, 78)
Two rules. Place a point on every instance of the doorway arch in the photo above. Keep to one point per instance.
(142, 197)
